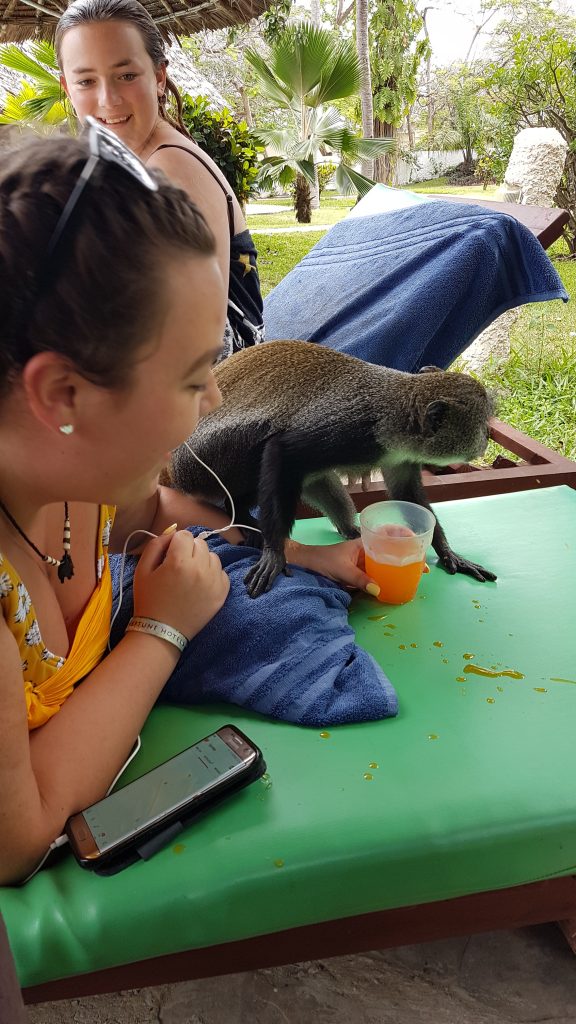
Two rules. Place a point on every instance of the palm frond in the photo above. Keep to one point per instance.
(44, 52)
(12, 57)
(342, 77)
(355, 146)
(45, 108)
(349, 181)
(298, 56)
(273, 89)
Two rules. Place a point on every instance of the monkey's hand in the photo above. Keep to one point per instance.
(262, 575)
(454, 563)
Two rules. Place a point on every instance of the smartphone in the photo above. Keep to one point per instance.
(136, 821)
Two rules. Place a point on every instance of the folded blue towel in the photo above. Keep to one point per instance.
(411, 287)
(290, 654)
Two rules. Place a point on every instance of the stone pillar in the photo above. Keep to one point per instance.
(532, 177)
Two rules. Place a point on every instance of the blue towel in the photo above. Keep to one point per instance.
(289, 654)
(411, 287)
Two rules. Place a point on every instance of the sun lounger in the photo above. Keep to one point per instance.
(457, 816)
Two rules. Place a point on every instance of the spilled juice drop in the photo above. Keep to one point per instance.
(376, 618)
(413, 645)
(367, 776)
(373, 764)
(467, 657)
(460, 679)
(279, 863)
(540, 689)
(556, 679)
(500, 689)
(444, 661)
(437, 643)
(402, 647)
(490, 700)
(433, 736)
(325, 735)
(179, 848)
(478, 671)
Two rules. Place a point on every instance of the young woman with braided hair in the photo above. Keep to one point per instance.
(112, 308)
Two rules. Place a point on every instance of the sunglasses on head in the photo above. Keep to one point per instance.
(104, 145)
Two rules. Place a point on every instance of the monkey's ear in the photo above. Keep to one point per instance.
(430, 369)
(434, 417)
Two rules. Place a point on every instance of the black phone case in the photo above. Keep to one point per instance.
(161, 835)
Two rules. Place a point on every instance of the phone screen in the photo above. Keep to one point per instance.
(165, 789)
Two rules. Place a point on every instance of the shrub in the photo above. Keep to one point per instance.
(325, 173)
(230, 143)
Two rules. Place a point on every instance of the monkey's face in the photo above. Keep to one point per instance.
(456, 423)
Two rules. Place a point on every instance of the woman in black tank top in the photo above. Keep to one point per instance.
(127, 88)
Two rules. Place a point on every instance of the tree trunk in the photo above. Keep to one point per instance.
(384, 165)
(246, 106)
(410, 131)
(429, 101)
(315, 15)
(315, 192)
(363, 50)
(302, 198)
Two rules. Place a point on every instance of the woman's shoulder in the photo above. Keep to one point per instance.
(170, 147)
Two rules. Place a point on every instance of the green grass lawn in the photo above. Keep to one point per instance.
(536, 388)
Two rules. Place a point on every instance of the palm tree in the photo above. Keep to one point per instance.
(41, 102)
(306, 70)
(366, 104)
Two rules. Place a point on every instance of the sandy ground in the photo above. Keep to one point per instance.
(522, 977)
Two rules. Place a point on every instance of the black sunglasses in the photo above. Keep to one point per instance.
(104, 145)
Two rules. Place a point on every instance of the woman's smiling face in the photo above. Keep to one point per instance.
(107, 73)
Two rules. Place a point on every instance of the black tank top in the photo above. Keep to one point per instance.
(245, 308)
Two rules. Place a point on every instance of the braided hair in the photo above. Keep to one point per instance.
(107, 293)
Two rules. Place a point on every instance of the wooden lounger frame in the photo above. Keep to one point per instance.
(538, 903)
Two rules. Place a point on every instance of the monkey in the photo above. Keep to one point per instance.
(295, 415)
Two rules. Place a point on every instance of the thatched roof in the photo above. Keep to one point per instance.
(181, 70)
(28, 19)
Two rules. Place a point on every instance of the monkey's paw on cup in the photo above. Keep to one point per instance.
(395, 537)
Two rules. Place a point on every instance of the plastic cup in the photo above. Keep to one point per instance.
(395, 537)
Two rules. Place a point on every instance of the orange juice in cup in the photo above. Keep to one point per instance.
(395, 536)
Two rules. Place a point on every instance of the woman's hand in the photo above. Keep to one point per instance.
(179, 581)
(343, 563)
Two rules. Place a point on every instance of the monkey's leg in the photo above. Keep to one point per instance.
(279, 489)
(253, 534)
(404, 483)
(328, 494)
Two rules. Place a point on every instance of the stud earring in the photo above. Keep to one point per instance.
(66, 428)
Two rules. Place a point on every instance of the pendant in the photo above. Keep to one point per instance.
(66, 568)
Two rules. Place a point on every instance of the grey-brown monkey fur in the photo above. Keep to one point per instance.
(294, 415)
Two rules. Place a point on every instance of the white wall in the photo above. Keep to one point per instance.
(429, 164)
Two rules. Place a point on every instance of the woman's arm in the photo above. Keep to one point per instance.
(342, 562)
(69, 763)
(188, 173)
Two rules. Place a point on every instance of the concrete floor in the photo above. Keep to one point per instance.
(521, 977)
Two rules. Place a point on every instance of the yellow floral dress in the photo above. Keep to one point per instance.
(49, 679)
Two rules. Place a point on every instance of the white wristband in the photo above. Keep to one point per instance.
(159, 629)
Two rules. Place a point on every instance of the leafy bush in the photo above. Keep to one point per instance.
(230, 143)
(325, 173)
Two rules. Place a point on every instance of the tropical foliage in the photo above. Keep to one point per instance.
(40, 101)
(533, 83)
(396, 53)
(230, 143)
(307, 68)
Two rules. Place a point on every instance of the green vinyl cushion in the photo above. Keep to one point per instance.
(474, 787)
